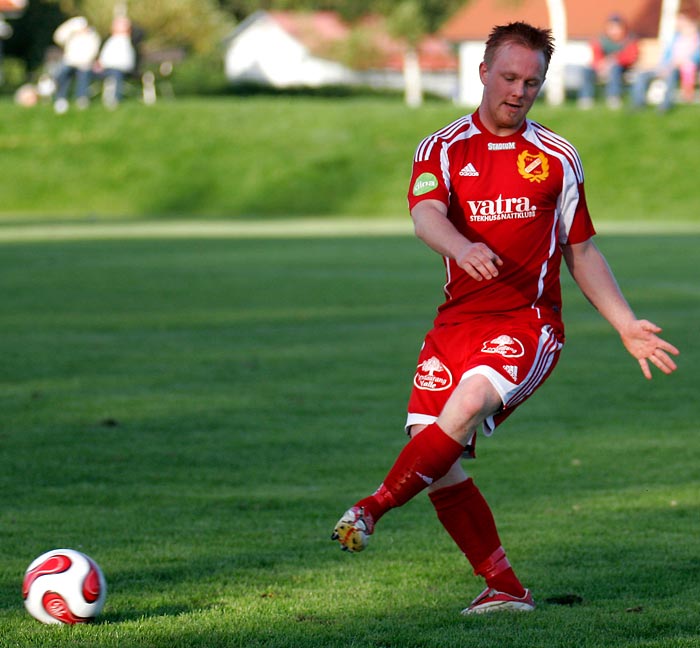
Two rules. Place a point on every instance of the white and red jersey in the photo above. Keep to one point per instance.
(521, 195)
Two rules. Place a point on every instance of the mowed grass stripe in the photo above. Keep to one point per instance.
(296, 228)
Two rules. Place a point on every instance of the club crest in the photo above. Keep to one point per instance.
(534, 168)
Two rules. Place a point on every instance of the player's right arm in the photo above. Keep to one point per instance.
(434, 228)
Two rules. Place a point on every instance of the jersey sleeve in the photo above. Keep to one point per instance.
(581, 227)
(575, 225)
(430, 173)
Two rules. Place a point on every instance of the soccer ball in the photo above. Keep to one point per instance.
(64, 586)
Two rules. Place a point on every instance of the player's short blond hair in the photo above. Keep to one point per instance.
(520, 33)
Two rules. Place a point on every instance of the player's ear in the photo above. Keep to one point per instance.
(483, 72)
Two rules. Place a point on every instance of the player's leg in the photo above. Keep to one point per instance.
(467, 517)
(63, 79)
(516, 364)
(688, 73)
(82, 88)
(426, 458)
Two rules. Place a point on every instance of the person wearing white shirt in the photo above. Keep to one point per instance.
(81, 45)
(117, 58)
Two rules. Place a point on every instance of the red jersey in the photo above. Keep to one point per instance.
(521, 195)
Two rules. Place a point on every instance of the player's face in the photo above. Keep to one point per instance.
(511, 84)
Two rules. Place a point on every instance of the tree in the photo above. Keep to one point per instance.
(411, 21)
(195, 25)
(432, 365)
(348, 9)
(32, 32)
(351, 10)
(408, 23)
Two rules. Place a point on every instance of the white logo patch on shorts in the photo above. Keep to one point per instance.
(506, 346)
(432, 375)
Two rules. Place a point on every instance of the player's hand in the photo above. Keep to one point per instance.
(479, 261)
(643, 343)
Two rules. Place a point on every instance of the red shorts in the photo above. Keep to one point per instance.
(515, 354)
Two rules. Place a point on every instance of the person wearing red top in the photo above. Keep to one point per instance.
(614, 52)
(501, 199)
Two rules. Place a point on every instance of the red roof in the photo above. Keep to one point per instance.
(321, 31)
(585, 18)
(12, 6)
(434, 52)
(312, 28)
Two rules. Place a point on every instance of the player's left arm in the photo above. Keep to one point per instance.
(594, 277)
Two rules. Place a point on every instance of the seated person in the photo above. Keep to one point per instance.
(614, 52)
(678, 67)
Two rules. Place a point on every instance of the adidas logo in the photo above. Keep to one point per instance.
(469, 170)
(512, 371)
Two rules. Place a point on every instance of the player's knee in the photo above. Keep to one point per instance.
(470, 404)
(476, 396)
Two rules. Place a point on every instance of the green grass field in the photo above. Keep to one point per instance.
(195, 413)
(295, 156)
(201, 370)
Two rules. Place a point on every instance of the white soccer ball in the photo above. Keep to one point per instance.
(64, 586)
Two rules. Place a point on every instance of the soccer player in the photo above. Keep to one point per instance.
(501, 199)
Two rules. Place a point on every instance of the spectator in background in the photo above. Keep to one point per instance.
(678, 67)
(117, 59)
(80, 44)
(614, 52)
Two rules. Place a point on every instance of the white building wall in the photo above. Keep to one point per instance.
(471, 54)
(265, 53)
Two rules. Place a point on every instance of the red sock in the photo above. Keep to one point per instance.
(424, 459)
(467, 517)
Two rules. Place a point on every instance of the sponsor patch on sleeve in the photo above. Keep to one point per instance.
(424, 184)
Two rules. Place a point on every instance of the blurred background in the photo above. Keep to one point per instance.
(216, 46)
(242, 109)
